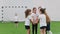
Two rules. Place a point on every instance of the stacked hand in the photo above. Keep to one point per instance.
(35, 22)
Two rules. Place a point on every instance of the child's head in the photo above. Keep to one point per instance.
(42, 11)
(34, 10)
(39, 8)
(15, 14)
(27, 12)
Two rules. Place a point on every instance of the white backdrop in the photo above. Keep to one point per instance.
(52, 6)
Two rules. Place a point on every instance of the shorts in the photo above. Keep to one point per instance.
(42, 27)
(16, 22)
(27, 27)
(48, 26)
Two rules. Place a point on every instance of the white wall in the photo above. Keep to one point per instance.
(52, 6)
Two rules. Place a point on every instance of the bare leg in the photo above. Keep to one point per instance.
(28, 31)
(16, 25)
(42, 32)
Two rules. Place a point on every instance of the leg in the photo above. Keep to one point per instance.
(44, 30)
(28, 31)
(32, 29)
(36, 28)
(41, 31)
(48, 28)
(16, 25)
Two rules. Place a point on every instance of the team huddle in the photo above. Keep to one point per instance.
(42, 19)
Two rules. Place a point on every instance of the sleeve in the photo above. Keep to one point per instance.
(32, 14)
(39, 17)
(30, 17)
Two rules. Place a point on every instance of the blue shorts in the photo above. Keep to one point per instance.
(48, 27)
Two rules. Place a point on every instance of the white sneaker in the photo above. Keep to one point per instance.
(49, 32)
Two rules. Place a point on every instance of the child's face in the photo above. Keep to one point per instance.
(39, 9)
(34, 10)
(40, 12)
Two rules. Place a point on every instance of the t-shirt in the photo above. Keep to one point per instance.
(16, 18)
(34, 16)
(42, 18)
(27, 20)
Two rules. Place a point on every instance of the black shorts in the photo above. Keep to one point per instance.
(48, 26)
(27, 27)
(42, 27)
(16, 22)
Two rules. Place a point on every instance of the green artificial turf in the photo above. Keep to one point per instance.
(9, 28)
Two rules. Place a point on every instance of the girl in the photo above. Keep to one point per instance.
(35, 21)
(48, 24)
(27, 20)
(16, 20)
(42, 18)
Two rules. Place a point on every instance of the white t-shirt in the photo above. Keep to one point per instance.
(16, 18)
(34, 16)
(42, 18)
(27, 20)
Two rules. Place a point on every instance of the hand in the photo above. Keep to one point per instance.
(34, 23)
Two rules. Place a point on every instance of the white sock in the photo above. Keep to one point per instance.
(49, 32)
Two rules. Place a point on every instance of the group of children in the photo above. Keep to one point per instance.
(34, 18)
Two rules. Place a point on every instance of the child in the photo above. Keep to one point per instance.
(35, 21)
(48, 22)
(27, 20)
(43, 24)
(16, 20)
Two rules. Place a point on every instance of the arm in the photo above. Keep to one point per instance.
(31, 19)
(37, 20)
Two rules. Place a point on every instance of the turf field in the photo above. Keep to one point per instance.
(9, 28)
